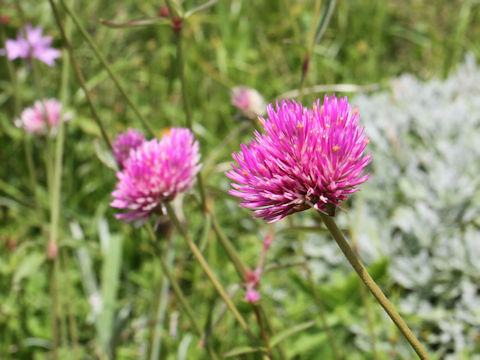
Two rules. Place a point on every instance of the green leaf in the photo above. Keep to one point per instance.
(112, 254)
(104, 155)
(278, 338)
(28, 266)
(243, 350)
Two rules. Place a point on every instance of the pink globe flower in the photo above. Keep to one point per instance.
(43, 115)
(249, 101)
(31, 45)
(305, 158)
(126, 142)
(154, 173)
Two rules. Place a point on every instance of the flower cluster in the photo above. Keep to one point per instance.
(31, 44)
(307, 157)
(124, 143)
(156, 172)
(43, 115)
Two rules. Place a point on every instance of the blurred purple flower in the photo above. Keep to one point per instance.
(306, 157)
(156, 172)
(34, 119)
(252, 296)
(249, 101)
(33, 45)
(126, 142)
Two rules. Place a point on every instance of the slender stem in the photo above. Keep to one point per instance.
(263, 331)
(80, 77)
(72, 323)
(11, 73)
(54, 307)
(186, 104)
(311, 43)
(318, 301)
(160, 303)
(181, 75)
(363, 294)
(372, 286)
(27, 143)
(323, 316)
(206, 268)
(107, 67)
(176, 288)
(241, 269)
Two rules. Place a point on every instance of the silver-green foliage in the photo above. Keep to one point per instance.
(423, 202)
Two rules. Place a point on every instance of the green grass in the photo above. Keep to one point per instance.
(258, 44)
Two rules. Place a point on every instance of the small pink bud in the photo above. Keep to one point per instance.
(252, 296)
(163, 11)
(249, 101)
(177, 25)
(267, 242)
(4, 19)
(52, 250)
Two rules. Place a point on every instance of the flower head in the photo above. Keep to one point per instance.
(249, 101)
(31, 45)
(43, 115)
(156, 172)
(252, 296)
(305, 158)
(126, 142)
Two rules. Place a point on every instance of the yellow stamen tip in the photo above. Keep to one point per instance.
(336, 148)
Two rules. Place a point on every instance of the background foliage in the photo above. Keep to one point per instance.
(415, 221)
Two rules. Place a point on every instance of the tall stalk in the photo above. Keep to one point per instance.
(177, 290)
(372, 286)
(107, 67)
(206, 268)
(80, 76)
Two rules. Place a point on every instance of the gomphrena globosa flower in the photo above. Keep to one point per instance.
(306, 157)
(249, 101)
(31, 44)
(124, 143)
(43, 115)
(155, 173)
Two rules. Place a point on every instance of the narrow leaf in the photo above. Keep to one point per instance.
(278, 338)
(243, 350)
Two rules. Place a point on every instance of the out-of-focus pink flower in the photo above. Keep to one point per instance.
(305, 158)
(252, 296)
(52, 250)
(126, 142)
(43, 115)
(31, 45)
(156, 172)
(249, 101)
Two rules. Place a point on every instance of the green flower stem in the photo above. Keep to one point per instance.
(321, 310)
(185, 98)
(177, 290)
(80, 77)
(206, 268)
(107, 67)
(241, 270)
(72, 323)
(263, 331)
(54, 307)
(372, 286)
(11, 73)
(352, 232)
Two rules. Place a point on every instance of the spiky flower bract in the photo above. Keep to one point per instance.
(124, 143)
(31, 44)
(306, 157)
(43, 115)
(155, 173)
